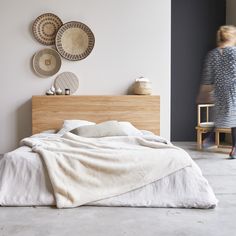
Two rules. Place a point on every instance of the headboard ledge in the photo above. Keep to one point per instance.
(49, 112)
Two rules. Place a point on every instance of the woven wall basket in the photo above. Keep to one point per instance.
(47, 62)
(74, 41)
(45, 28)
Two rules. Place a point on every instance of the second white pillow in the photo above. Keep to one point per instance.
(107, 128)
(69, 125)
(104, 129)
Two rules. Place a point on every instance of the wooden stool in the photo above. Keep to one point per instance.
(205, 127)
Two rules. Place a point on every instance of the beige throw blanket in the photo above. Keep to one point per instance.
(84, 170)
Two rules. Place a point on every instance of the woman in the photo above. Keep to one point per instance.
(220, 71)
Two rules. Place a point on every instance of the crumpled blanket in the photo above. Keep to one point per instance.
(84, 170)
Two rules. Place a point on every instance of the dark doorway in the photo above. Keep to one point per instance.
(194, 26)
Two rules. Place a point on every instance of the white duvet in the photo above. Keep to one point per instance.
(24, 181)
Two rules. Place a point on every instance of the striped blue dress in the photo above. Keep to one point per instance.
(220, 71)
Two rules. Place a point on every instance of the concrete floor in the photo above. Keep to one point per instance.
(109, 221)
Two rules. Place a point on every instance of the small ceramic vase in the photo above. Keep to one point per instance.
(53, 89)
(58, 91)
(49, 92)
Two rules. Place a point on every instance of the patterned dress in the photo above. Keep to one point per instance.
(220, 71)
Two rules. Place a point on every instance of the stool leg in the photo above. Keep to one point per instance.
(199, 140)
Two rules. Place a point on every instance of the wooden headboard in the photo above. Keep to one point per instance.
(49, 112)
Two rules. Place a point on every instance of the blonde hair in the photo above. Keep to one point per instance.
(226, 33)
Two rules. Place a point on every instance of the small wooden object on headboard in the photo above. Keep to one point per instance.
(49, 112)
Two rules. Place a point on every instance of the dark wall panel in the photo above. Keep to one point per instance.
(194, 26)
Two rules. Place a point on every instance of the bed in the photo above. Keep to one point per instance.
(69, 170)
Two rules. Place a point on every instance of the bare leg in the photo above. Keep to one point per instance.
(209, 139)
(233, 151)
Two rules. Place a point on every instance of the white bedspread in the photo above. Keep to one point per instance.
(24, 181)
(84, 170)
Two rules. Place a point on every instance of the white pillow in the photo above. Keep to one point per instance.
(50, 131)
(69, 125)
(104, 129)
(146, 132)
(129, 129)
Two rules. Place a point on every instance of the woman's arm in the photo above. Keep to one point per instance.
(205, 94)
(208, 70)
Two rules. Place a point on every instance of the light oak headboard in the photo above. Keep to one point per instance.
(49, 112)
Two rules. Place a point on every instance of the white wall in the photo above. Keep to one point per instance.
(132, 39)
(231, 12)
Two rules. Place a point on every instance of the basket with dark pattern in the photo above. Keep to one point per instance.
(74, 41)
(45, 28)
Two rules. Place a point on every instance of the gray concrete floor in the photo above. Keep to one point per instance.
(109, 221)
